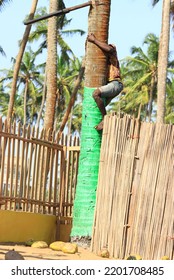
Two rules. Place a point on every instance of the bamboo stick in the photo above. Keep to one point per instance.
(7, 160)
(25, 171)
(12, 169)
(2, 164)
(31, 152)
(34, 168)
(33, 140)
(68, 171)
(59, 13)
(18, 161)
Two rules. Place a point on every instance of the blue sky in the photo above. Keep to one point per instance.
(130, 22)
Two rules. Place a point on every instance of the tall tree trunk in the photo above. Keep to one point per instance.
(163, 61)
(51, 77)
(51, 67)
(152, 86)
(18, 61)
(25, 102)
(43, 99)
(95, 76)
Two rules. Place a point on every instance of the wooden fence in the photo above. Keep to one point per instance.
(135, 196)
(38, 172)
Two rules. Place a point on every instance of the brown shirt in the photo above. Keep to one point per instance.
(113, 66)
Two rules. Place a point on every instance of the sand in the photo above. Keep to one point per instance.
(30, 253)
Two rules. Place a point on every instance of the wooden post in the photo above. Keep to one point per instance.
(59, 13)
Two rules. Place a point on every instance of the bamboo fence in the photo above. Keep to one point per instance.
(135, 196)
(38, 172)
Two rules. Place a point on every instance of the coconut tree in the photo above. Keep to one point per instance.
(4, 100)
(31, 84)
(51, 67)
(2, 51)
(3, 3)
(139, 73)
(95, 69)
(18, 61)
(169, 117)
(163, 58)
(52, 36)
(65, 53)
(28, 89)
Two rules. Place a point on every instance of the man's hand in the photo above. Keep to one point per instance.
(91, 38)
(102, 45)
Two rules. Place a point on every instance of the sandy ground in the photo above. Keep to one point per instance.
(30, 253)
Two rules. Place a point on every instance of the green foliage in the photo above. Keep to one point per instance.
(169, 116)
(139, 73)
(30, 81)
(154, 2)
(67, 73)
(31, 78)
(3, 3)
(40, 34)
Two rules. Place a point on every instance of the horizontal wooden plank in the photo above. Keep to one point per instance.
(73, 148)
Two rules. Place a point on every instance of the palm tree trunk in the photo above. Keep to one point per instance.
(51, 78)
(43, 99)
(163, 61)
(18, 61)
(95, 76)
(25, 102)
(51, 67)
(152, 86)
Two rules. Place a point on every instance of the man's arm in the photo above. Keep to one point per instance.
(103, 46)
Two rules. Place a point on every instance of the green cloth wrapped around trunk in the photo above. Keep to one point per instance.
(85, 199)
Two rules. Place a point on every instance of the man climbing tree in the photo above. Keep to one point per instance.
(114, 85)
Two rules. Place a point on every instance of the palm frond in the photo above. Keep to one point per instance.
(154, 2)
(3, 3)
(2, 51)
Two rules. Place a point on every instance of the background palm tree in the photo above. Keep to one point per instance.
(52, 91)
(66, 59)
(4, 100)
(169, 118)
(95, 69)
(67, 72)
(163, 59)
(28, 89)
(18, 61)
(3, 3)
(139, 73)
(51, 67)
(31, 84)
(2, 51)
